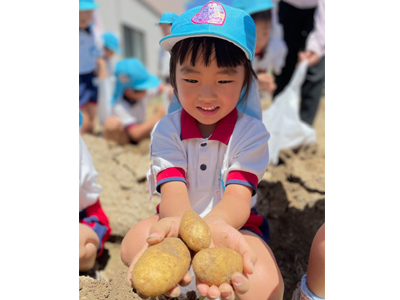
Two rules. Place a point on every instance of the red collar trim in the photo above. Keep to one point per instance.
(222, 133)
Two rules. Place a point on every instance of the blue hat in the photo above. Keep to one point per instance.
(111, 42)
(253, 6)
(130, 73)
(87, 5)
(167, 18)
(80, 119)
(216, 20)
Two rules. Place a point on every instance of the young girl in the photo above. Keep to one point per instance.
(209, 155)
(94, 229)
(133, 89)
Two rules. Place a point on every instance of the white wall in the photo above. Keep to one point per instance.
(114, 13)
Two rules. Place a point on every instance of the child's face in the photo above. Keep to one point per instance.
(108, 53)
(134, 95)
(85, 18)
(208, 93)
(263, 30)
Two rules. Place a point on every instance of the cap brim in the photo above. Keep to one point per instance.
(151, 82)
(87, 6)
(169, 41)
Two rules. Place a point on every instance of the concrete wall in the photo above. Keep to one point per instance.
(140, 15)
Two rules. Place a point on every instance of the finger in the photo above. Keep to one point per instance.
(186, 280)
(174, 292)
(248, 254)
(167, 227)
(226, 292)
(202, 288)
(213, 292)
(240, 283)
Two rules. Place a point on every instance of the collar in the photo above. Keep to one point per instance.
(87, 29)
(222, 133)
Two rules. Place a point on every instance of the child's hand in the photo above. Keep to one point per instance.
(166, 227)
(225, 236)
(311, 56)
(266, 82)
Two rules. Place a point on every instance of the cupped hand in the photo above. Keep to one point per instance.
(166, 227)
(225, 236)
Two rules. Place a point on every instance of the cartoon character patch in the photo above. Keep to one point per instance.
(211, 13)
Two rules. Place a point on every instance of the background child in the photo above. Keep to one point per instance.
(208, 156)
(312, 286)
(299, 19)
(133, 89)
(94, 229)
(89, 53)
(111, 46)
(261, 12)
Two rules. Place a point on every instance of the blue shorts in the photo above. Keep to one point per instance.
(87, 90)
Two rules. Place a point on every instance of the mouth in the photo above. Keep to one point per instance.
(208, 110)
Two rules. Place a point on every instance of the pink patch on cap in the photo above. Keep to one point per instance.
(211, 13)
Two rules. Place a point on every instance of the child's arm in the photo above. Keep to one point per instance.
(143, 130)
(234, 207)
(174, 199)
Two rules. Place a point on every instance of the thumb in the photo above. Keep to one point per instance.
(167, 227)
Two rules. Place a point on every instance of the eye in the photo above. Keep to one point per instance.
(224, 81)
(191, 80)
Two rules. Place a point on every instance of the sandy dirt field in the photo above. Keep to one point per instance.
(291, 196)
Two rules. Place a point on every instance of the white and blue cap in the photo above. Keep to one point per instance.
(253, 6)
(214, 19)
(167, 18)
(87, 5)
(111, 42)
(130, 73)
(220, 21)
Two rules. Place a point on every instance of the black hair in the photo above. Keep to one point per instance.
(264, 15)
(227, 54)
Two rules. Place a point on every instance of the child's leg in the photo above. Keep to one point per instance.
(114, 130)
(316, 264)
(266, 282)
(88, 113)
(88, 245)
(136, 238)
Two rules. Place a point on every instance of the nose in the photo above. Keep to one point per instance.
(207, 93)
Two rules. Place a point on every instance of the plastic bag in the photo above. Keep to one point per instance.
(282, 118)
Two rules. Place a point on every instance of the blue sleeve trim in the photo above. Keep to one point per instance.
(245, 183)
(168, 180)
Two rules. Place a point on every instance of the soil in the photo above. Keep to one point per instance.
(291, 196)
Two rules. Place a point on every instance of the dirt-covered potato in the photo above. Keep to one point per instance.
(216, 265)
(194, 231)
(161, 267)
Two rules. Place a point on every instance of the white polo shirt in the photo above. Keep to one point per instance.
(236, 153)
(89, 189)
(131, 113)
(88, 51)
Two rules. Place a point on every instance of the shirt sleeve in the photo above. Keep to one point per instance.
(250, 155)
(316, 39)
(167, 152)
(89, 189)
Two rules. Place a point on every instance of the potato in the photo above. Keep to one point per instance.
(216, 265)
(194, 231)
(161, 267)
